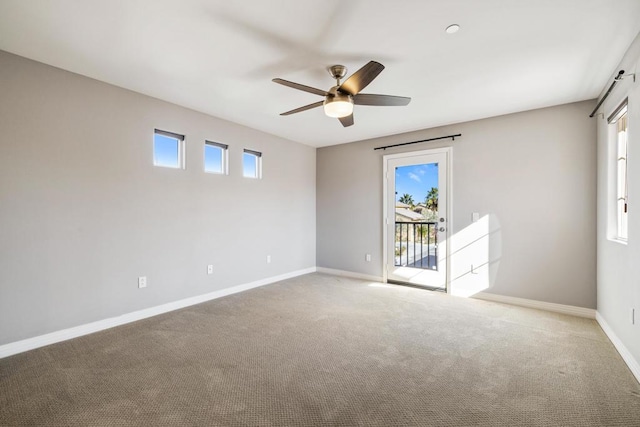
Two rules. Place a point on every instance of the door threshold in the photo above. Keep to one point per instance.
(413, 285)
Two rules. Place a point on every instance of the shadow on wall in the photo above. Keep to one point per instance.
(475, 256)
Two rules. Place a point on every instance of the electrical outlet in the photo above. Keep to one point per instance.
(142, 282)
(268, 259)
(367, 257)
(209, 269)
(475, 216)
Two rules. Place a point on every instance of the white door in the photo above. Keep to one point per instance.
(417, 218)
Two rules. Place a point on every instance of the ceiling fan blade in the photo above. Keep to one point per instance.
(346, 121)
(301, 87)
(361, 78)
(305, 108)
(384, 100)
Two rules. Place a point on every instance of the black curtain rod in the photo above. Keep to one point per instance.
(615, 81)
(453, 138)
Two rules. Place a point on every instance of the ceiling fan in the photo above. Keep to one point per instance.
(339, 100)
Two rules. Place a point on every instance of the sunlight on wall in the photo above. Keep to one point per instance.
(475, 256)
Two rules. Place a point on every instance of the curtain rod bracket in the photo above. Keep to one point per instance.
(616, 79)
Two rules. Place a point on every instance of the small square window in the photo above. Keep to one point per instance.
(168, 149)
(215, 157)
(252, 164)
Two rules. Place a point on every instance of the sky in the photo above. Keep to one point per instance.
(416, 180)
(165, 151)
(212, 158)
(250, 163)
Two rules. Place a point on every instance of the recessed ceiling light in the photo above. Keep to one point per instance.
(453, 28)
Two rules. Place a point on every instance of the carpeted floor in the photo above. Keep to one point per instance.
(324, 350)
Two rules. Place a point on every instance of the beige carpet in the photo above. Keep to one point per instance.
(323, 350)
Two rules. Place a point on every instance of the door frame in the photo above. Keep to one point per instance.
(448, 151)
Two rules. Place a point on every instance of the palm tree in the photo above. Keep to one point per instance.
(432, 199)
(406, 199)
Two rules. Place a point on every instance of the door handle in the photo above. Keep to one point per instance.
(441, 229)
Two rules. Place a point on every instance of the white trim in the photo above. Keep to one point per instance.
(89, 328)
(632, 363)
(571, 310)
(440, 150)
(385, 216)
(449, 223)
(351, 274)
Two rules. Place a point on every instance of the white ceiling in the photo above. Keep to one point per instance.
(218, 56)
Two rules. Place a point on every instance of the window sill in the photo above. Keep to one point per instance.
(618, 241)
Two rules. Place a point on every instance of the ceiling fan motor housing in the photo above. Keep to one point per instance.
(338, 72)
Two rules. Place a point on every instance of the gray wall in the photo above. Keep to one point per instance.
(83, 211)
(530, 175)
(618, 264)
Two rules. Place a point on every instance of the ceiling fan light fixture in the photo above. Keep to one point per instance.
(338, 106)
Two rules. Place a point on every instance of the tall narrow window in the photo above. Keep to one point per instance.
(619, 120)
(168, 149)
(215, 157)
(252, 164)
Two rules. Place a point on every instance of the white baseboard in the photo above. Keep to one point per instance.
(351, 274)
(89, 328)
(540, 305)
(628, 358)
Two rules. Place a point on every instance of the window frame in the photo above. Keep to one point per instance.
(181, 148)
(258, 161)
(224, 157)
(619, 150)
